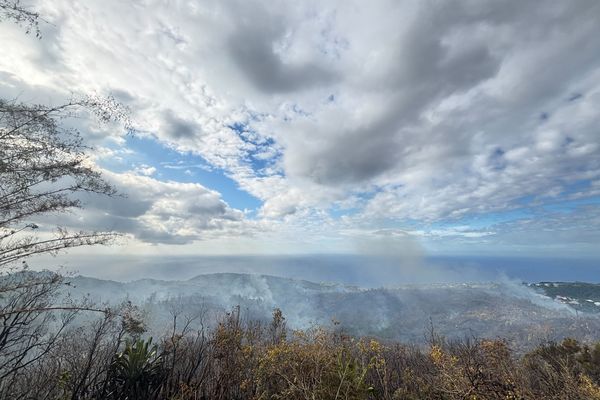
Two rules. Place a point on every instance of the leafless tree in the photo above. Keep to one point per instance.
(43, 168)
(15, 11)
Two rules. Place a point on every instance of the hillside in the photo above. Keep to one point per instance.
(519, 313)
(581, 296)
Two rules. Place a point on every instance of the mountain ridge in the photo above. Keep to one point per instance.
(511, 310)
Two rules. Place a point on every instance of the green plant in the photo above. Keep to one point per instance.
(137, 371)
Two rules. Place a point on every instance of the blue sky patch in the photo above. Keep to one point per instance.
(172, 165)
(260, 154)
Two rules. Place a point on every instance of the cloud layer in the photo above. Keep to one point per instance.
(337, 115)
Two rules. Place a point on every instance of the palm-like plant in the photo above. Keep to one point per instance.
(137, 371)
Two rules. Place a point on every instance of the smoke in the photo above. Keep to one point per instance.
(507, 309)
(394, 257)
(516, 289)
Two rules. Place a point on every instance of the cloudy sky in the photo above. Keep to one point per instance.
(443, 127)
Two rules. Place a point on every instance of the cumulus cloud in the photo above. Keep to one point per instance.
(155, 211)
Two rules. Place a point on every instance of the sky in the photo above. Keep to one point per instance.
(465, 127)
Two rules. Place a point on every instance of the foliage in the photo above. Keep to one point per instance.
(314, 364)
(238, 359)
(137, 371)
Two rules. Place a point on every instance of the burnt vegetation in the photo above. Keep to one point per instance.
(109, 357)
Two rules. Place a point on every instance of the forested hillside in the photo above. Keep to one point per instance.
(509, 310)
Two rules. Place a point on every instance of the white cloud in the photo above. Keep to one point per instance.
(154, 211)
(407, 110)
(145, 170)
